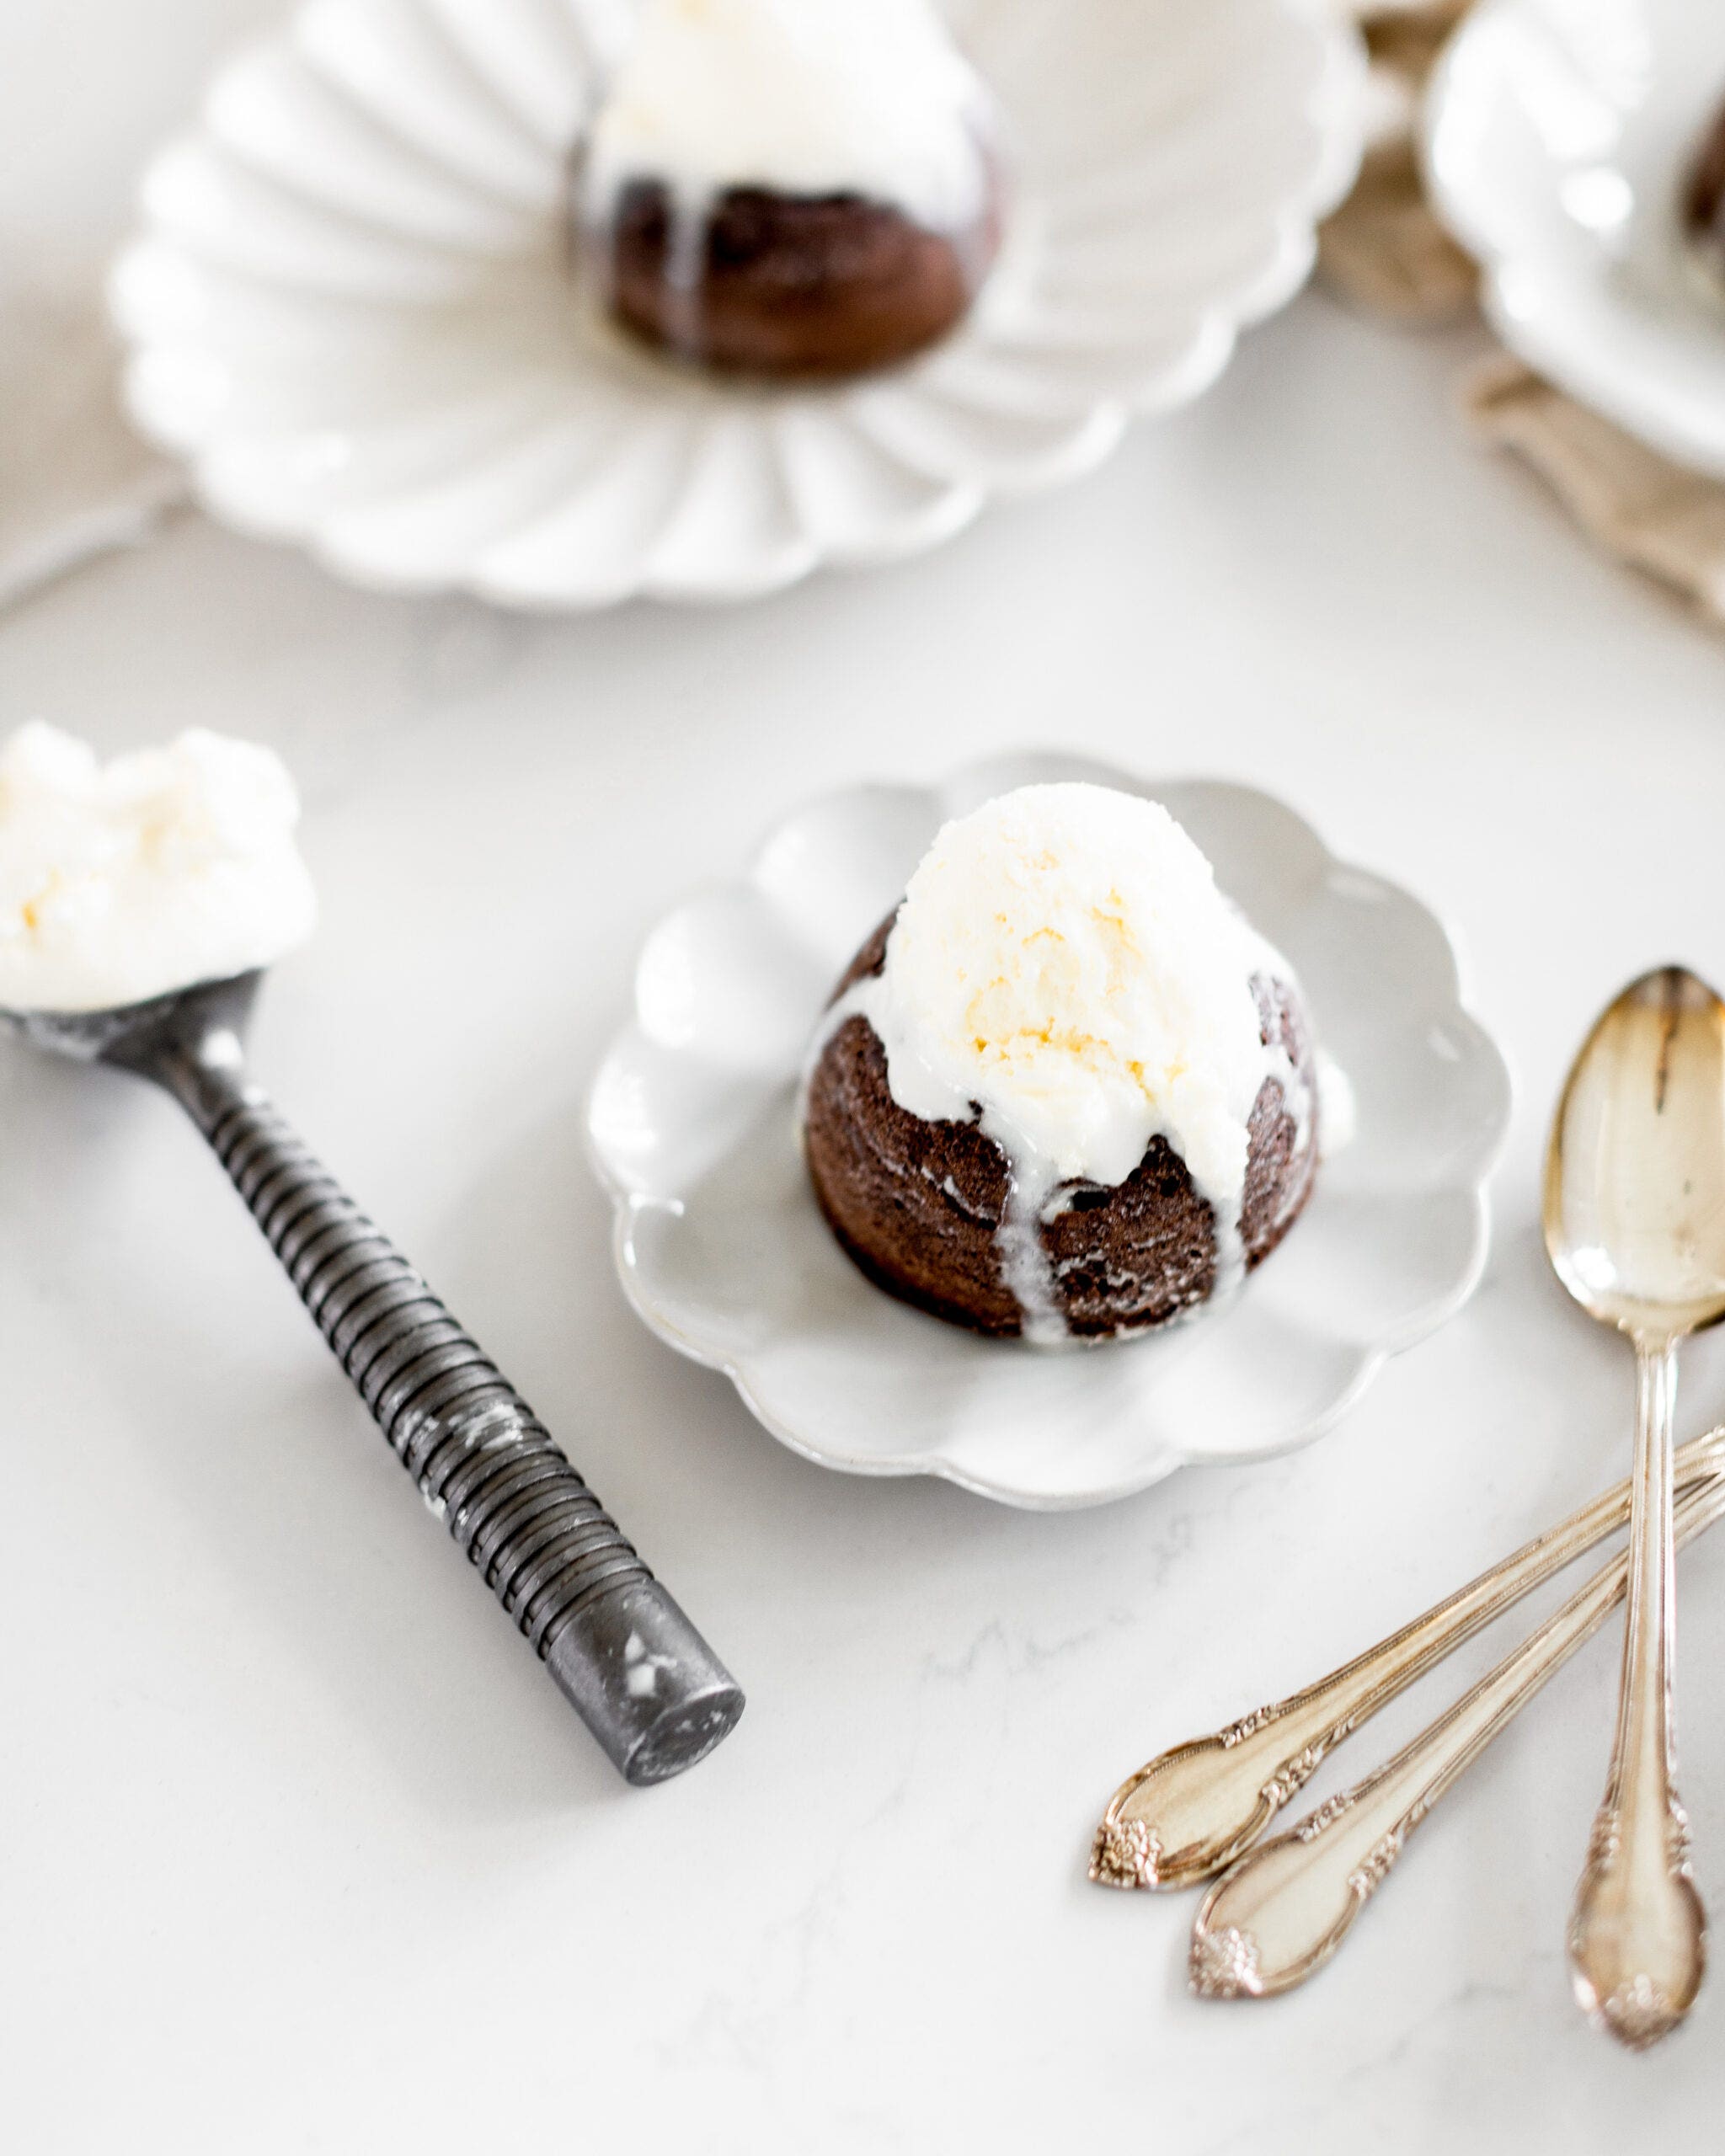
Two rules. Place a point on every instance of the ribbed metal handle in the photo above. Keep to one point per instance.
(642, 1679)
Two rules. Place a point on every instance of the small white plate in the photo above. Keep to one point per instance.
(350, 306)
(723, 1251)
(1558, 137)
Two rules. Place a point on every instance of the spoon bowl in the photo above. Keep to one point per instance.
(1635, 1227)
(1634, 1176)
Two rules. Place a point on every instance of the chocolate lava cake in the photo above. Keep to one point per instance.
(919, 1206)
(1704, 197)
(806, 287)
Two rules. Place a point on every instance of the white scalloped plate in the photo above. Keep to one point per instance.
(351, 309)
(724, 1253)
(1558, 133)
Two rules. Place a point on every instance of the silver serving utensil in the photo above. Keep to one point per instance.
(1193, 1810)
(1635, 1227)
(1278, 1915)
(636, 1671)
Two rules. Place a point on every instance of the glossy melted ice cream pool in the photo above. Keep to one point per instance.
(161, 869)
(1064, 974)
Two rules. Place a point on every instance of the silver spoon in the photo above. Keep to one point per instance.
(1196, 1808)
(1635, 1225)
(1278, 1914)
(636, 1671)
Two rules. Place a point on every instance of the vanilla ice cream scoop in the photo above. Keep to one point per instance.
(1063, 959)
(868, 97)
(127, 880)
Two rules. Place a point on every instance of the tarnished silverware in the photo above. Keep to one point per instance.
(1635, 1227)
(1281, 1911)
(1192, 1811)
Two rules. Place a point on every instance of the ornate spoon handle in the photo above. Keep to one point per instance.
(1638, 1937)
(1192, 1811)
(1281, 1911)
(639, 1675)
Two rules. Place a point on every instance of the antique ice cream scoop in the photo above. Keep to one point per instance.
(139, 903)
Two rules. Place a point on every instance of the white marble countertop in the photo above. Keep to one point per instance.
(301, 1850)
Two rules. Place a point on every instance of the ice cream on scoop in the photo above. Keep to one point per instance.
(162, 868)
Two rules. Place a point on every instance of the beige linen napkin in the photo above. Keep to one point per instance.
(1648, 512)
(1386, 253)
(1383, 249)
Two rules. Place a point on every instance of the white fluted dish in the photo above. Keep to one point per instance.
(1558, 135)
(351, 307)
(723, 1253)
